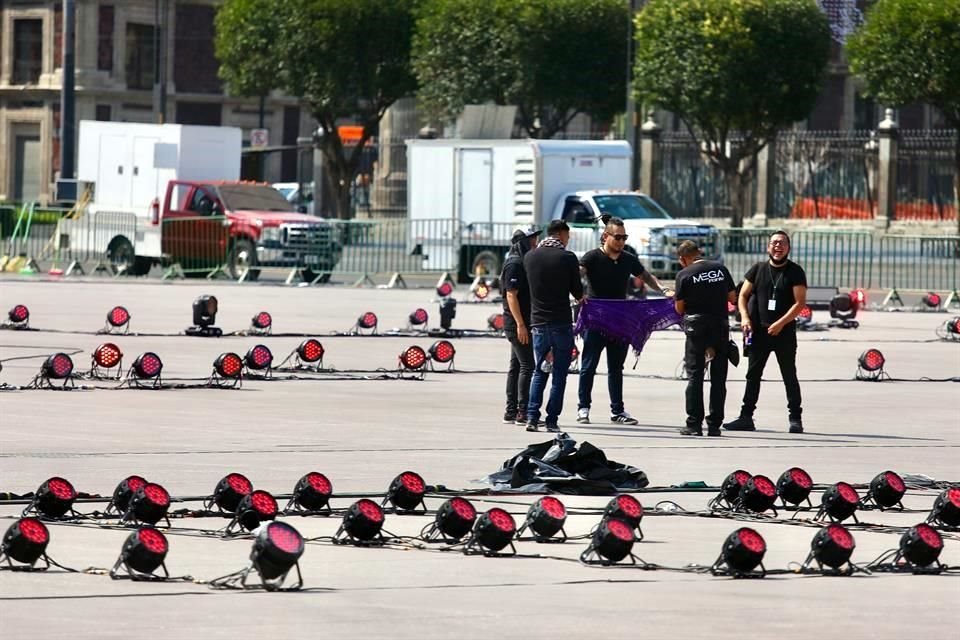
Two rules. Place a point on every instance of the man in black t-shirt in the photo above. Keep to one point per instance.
(554, 276)
(704, 287)
(516, 325)
(608, 271)
(773, 294)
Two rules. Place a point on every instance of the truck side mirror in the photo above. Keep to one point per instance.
(301, 208)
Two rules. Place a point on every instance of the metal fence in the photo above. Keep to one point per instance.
(686, 185)
(925, 173)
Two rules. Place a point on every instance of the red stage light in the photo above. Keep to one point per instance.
(732, 484)
(59, 366)
(147, 366)
(872, 360)
(118, 317)
(413, 358)
(921, 545)
(256, 507)
(495, 322)
(886, 490)
(839, 501)
(805, 315)
(367, 321)
(492, 532)
(794, 485)
(946, 508)
(406, 491)
(546, 517)
(25, 541)
(261, 322)
(125, 490)
(612, 541)
(19, 315)
(107, 355)
(276, 550)
(742, 552)
(454, 519)
(228, 365)
(625, 507)
(143, 552)
(859, 297)
(54, 498)
(757, 494)
(481, 290)
(258, 358)
(313, 491)
(932, 300)
(149, 504)
(230, 491)
(418, 318)
(310, 351)
(445, 288)
(442, 351)
(363, 520)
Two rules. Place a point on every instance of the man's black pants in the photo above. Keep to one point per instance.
(705, 332)
(519, 373)
(784, 345)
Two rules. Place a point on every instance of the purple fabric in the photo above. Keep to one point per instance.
(629, 321)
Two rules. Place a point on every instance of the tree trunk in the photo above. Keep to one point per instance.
(738, 188)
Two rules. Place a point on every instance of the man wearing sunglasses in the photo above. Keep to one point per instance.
(608, 271)
(772, 295)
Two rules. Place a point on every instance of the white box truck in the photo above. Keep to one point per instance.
(465, 198)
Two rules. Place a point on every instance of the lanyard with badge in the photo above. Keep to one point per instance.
(774, 287)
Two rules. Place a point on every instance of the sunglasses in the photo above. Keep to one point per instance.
(622, 237)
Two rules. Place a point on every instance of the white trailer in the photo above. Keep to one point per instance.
(127, 167)
(465, 197)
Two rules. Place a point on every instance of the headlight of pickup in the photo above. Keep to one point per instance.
(270, 234)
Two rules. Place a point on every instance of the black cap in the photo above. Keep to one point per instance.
(520, 234)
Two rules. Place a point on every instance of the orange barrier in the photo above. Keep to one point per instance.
(859, 209)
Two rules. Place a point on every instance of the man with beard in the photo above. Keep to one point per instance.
(772, 295)
(516, 325)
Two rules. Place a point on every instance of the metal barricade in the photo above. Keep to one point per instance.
(922, 263)
(742, 248)
(835, 258)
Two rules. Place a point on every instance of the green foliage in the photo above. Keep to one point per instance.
(909, 51)
(551, 58)
(732, 68)
(246, 32)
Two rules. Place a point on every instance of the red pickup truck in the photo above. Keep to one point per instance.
(244, 225)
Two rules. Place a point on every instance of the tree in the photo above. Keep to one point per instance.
(734, 72)
(909, 51)
(347, 59)
(553, 59)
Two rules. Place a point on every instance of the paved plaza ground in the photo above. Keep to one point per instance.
(362, 433)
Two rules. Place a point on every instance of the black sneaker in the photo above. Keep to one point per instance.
(742, 423)
(521, 420)
(714, 433)
(510, 417)
(532, 426)
(796, 425)
(552, 428)
(690, 431)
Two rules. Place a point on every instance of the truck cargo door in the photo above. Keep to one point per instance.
(143, 175)
(113, 174)
(475, 184)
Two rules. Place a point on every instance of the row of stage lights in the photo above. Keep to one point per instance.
(277, 547)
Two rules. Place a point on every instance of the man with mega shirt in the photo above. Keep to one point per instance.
(553, 274)
(772, 295)
(704, 287)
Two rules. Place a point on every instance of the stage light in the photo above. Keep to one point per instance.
(612, 541)
(954, 326)
(545, 519)
(448, 311)
(366, 322)
(53, 498)
(730, 490)
(312, 493)
(147, 366)
(276, 550)
(932, 300)
(124, 492)
(794, 486)
(204, 317)
(742, 552)
(946, 509)
(106, 356)
(58, 366)
(118, 319)
(25, 541)
(870, 365)
(495, 322)
(805, 317)
(258, 358)
(228, 366)
(261, 324)
(843, 309)
(481, 290)
(310, 352)
(886, 490)
(142, 553)
(757, 494)
(254, 508)
(148, 504)
(362, 522)
(413, 358)
(839, 501)
(832, 546)
(454, 519)
(229, 492)
(444, 289)
(19, 317)
(493, 531)
(859, 298)
(627, 508)
(920, 546)
(406, 492)
(418, 318)
(442, 351)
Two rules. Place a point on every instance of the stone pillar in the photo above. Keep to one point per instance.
(888, 134)
(766, 167)
(649, 156)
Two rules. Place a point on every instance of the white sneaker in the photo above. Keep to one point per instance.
(624, 418)
(583, 415)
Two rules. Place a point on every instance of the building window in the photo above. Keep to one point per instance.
(27, 51)
(140, 56)
(105, 38)
(103, 113)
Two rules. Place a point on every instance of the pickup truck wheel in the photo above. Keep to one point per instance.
(125, 260)
(243, 257)
(485, 263)
(309, 275)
